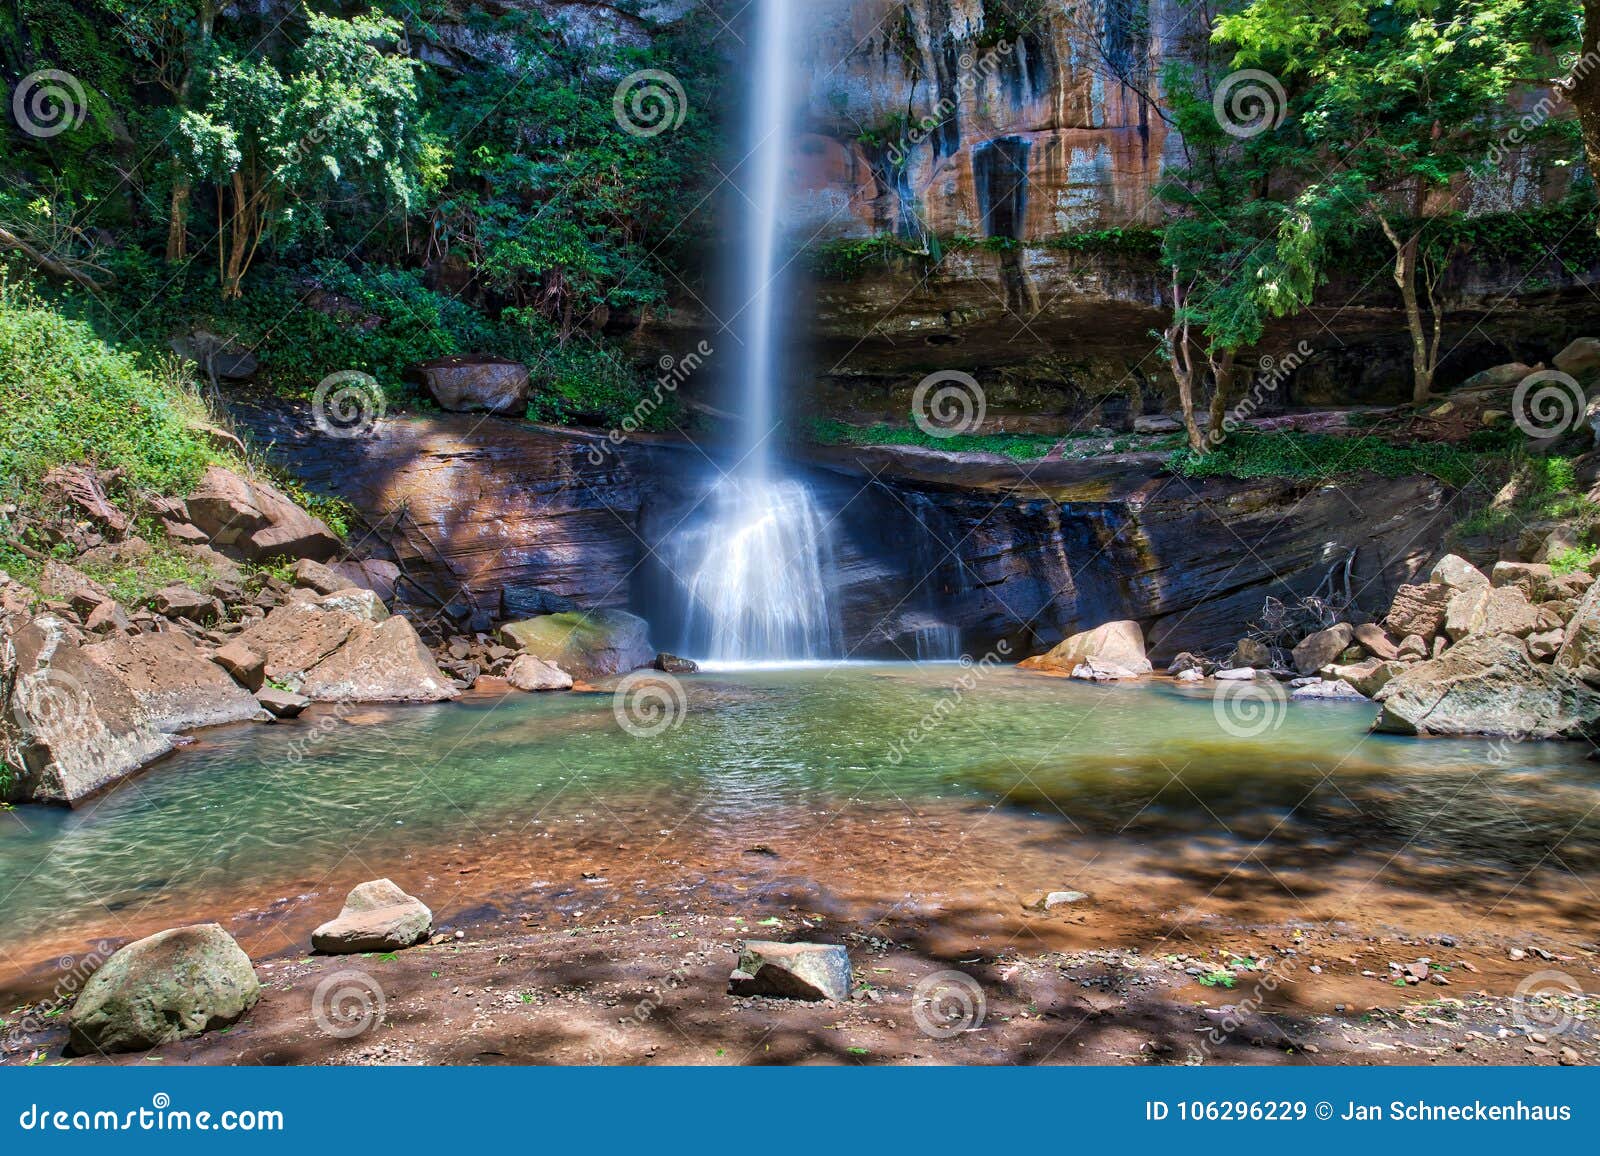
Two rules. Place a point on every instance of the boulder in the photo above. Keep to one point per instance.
(246, 665)
(1490, 610)
(1413, 647)
(1158, 423)
(297, 636)
(182, 602)
(1488, 685)
(1114, 645)
(1367, 678)
(175, 683)
(1327, 688)
(1418, 610)
(1580, 359)
(1250, 652)
(1190, 674)
(1187, 661)
(107, 618)
(1457, 573)
(1495, 378)
(1375, 642)
(364, 604)
(171, 986)
(377, 916)
(1544, 647)
(1096, 670)
(73, 725)
(1580, 643)
(257, 519)
(461, 384)
(374, 575)
(1532, 578)
(529, 673)
(281, 703)
(813, 971)
(1321, 648)
(379, 662)
(314, 575)
(672, 664)
(59, 582)
(1236, 674)
(591, 644)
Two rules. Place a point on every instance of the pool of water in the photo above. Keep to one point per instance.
(774, 756)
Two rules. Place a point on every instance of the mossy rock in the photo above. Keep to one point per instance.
(592, 644)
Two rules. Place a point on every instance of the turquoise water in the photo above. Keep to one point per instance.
(760, 754)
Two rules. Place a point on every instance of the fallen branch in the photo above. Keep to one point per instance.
(69, 269)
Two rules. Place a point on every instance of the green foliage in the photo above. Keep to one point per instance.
(1021, 446)
(1573, 559)
(1537, 489)
(1320, 457)
(66, 396)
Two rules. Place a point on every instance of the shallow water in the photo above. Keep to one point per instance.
(778, 756)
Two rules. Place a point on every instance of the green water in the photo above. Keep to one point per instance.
(761, 754)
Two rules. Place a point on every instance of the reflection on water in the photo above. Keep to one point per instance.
(761, 754)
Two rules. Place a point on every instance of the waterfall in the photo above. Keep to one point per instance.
(756, 569)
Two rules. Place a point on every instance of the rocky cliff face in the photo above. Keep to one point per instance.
(930, 548)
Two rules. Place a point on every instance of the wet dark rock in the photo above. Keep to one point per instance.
(672, 664)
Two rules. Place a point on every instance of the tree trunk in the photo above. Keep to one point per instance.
(1586, 90)
(1405, 276)
(178, 223)
(1222, 373)
(1182, 351)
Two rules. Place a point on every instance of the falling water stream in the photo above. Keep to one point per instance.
(756, 571)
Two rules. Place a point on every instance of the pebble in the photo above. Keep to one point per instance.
(1569, 1058)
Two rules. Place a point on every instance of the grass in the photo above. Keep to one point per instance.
(1021, 446)
(1319, 457)
(1540, 489)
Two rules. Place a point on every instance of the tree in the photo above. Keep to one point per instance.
(1401, 100)
(1585, 88)
(281, 145)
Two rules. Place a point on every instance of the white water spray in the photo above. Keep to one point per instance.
(757, 572)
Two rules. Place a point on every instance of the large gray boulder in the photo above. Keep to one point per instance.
(379, 662)
(297, 636)
(1489, 685)
(813, 971)
(1490, 610)
(588, 644)
(377, 916)
(177, 686)
(1418, 610)
(1117, 647)
(172, 986)
(1580, 645)
(461, 384)
(1457, 573)
(69, 727)
(535, 674)
(1321, 648)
